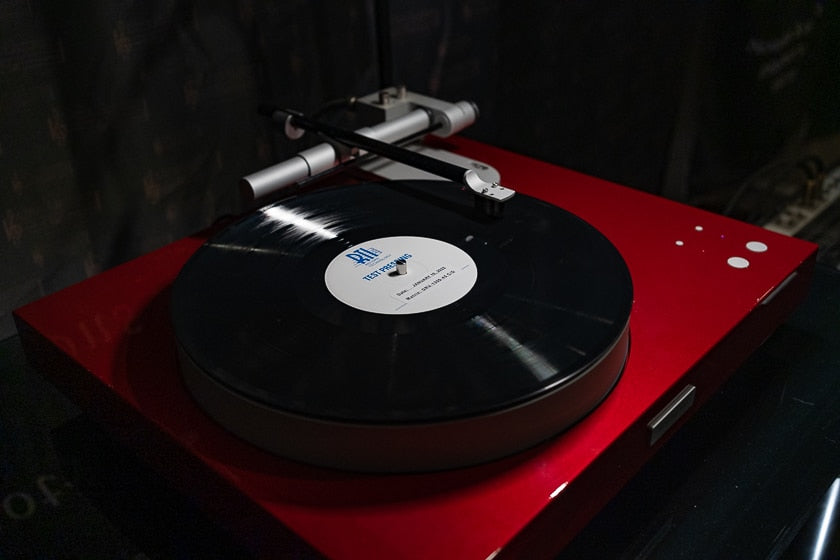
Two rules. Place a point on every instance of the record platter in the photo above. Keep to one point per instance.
(299, 311)
(379, 369)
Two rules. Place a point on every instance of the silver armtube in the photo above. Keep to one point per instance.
(325, 156)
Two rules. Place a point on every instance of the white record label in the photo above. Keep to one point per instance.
(436, 274)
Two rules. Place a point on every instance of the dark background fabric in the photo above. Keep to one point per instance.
(125, 125)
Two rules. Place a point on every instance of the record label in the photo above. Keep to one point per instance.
(434, 274)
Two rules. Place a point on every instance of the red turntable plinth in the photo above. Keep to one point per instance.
(707, 292)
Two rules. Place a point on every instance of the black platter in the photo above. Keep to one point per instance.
(534, 344)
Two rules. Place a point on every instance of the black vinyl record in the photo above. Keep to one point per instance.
(493, 315)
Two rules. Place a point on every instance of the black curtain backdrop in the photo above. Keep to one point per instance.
(125, 125)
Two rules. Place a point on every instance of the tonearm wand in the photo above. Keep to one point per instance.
(489, 196)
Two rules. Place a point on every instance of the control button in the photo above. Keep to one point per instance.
(756, 246)
(737, 262)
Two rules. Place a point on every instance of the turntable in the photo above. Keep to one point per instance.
(384, 369)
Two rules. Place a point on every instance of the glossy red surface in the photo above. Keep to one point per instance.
(107, 341)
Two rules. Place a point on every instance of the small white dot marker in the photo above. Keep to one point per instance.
(679, 243)
(698, 228)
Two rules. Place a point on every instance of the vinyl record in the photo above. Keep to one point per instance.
(390, 327)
